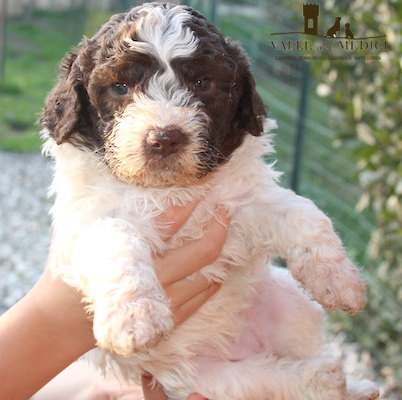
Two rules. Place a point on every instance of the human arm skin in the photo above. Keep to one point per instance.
(49, 328)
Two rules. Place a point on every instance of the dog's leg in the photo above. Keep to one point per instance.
(304, 236)
(265, 377)
(279, 356)
(283, 318)
(291, 325)
(361, 390)
(112, 266)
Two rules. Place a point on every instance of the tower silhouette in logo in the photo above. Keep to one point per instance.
(311, 13)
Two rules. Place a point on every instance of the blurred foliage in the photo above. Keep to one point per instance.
(367, 110)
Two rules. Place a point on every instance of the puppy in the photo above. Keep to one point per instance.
(158, 109)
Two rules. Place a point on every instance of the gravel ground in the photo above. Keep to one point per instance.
(25, 226)
(24, 242)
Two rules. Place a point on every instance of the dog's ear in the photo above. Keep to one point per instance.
(67, 107)
(68, 114)
(252, 111)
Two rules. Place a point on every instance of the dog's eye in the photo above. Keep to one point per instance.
(121, 88)
(202, 85)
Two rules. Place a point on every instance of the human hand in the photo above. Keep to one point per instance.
(155, 392)
(173, 268)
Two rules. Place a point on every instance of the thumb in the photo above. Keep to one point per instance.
(152, 390)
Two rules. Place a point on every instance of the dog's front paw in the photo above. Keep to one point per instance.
(130, 326)
(342, 288)
(332, 281)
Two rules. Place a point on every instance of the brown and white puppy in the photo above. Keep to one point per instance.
(159, 109)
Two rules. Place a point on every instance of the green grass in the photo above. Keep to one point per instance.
(34, 50)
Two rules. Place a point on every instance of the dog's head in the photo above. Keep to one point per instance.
(159, 93)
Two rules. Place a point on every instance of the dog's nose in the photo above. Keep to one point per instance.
(165, 141)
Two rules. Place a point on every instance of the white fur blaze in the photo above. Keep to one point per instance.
(163, 34)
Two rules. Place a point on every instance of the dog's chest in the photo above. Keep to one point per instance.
(142, 210)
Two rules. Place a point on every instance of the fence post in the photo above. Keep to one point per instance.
(300, 127)
(213, 12)
(208, 8)
(3, 24)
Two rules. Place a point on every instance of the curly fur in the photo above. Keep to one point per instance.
(164, 70)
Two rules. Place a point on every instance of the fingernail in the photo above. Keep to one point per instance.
(147, 376)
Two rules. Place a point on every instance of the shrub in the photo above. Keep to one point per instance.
(367, 109)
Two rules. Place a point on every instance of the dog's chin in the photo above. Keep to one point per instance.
(163, 179)
(159, 174)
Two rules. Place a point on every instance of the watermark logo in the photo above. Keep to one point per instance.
(338, 41)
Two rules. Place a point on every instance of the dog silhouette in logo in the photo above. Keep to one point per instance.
(348, 32)
(336, 27)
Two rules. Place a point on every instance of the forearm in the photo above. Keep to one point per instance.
(39, 338)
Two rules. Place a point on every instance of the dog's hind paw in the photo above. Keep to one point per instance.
(361, 390)
(324, 379)
(131, 326)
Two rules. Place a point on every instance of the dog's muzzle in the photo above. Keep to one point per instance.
(165, 141)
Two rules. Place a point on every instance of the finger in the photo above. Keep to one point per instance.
(196, 396)
(112, 388)
(182, 291)
(173, 218)
(181, 262)
(151, 390)
(183, 312)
